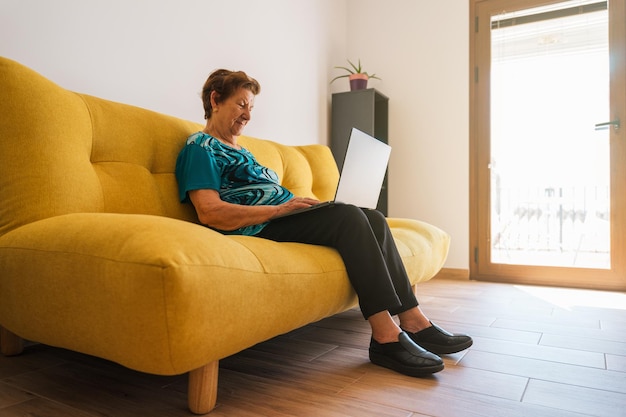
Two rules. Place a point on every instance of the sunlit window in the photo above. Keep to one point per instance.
(549, 166)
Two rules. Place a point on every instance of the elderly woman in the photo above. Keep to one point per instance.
(233, 194)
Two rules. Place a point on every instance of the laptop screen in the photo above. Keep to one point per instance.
(363, 171)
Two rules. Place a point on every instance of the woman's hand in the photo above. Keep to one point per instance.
(295, 203)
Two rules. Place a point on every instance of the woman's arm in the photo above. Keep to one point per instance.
(216, 213)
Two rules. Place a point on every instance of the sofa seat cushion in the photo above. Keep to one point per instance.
(166, 296)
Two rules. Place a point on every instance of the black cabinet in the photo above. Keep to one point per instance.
(368, 111)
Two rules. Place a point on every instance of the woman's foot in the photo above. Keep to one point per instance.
(440, 341)
(405, 357)
(430, 336)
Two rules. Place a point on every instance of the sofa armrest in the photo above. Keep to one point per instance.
(423, 247)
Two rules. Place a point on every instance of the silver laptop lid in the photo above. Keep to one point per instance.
(363, 170)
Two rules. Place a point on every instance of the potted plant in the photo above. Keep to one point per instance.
(357, 76)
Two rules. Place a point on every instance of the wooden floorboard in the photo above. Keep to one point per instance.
(537, 351)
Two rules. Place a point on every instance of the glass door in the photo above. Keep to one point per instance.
(547, 145)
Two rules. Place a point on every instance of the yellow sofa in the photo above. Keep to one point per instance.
(98, 256)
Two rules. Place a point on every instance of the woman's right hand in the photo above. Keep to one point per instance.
(295, 203)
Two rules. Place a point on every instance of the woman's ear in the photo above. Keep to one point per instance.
(214, 97)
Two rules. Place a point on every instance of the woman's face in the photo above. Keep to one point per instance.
(231, 115)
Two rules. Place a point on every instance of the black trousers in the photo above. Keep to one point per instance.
(364, 241)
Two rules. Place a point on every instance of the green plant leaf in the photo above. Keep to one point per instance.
(347, 69)
(340, 76)
(356, 69)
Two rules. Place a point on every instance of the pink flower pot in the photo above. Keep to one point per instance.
(358, 81)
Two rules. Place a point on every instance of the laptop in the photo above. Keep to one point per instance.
(362, 175)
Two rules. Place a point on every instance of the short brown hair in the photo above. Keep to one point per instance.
(225, 83)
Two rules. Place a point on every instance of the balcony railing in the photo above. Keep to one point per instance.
(554, 226)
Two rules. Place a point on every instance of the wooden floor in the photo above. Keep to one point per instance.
(537, 352)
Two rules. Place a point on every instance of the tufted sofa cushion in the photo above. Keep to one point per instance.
(65, 152)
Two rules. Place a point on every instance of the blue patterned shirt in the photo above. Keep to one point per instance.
(206, 163)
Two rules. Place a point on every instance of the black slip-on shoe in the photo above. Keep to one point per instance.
(439, 341)
(405, 357)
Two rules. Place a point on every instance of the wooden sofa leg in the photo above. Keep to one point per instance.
(202, 391)
(10, 343)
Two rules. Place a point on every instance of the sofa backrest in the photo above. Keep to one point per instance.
(62, 152)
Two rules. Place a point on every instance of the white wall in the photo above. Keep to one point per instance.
(157, 53)
(420, 49)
